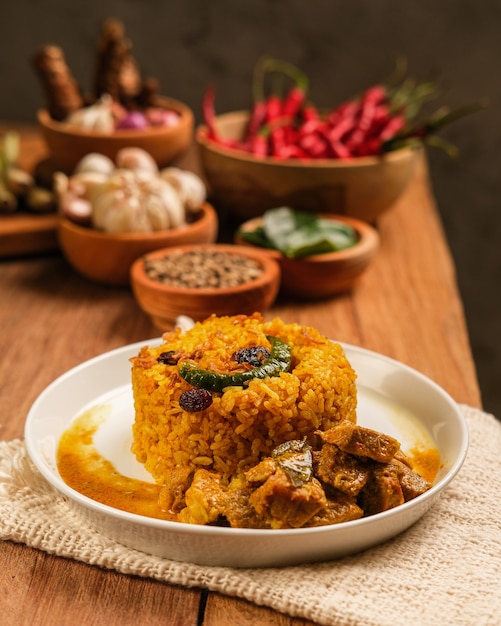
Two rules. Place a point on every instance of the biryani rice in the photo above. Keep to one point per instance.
(243, 424)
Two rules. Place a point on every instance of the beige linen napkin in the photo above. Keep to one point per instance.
(443, 571)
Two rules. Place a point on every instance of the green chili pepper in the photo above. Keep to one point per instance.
(278, 361)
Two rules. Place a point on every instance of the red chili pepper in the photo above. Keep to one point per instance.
(309, 112)
(394, 126)
(376, 94)
(256, 120)
(277, 141)
(315, 144)
(258, 144)
(290, 134)
(292, 151)
(209, 112)
(296, 96)
(293, 102)
(341, 128)
(273, 121)
(380, 118)
(340, 151)
(310, 126)
(273, 108)
(371, 99)
(370, 147)
(343, 111)
(258, 114)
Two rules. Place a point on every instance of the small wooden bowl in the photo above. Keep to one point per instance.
(107, 258)
(68, 145)
(322, 275)
(246, 186)
(165, 303)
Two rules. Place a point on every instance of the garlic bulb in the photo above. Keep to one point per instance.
(129, 196)
(136, 202)
(189, 186)
(98, 116)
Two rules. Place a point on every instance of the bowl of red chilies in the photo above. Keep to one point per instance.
(355, 159)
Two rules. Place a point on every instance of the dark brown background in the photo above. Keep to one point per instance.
(343, 46)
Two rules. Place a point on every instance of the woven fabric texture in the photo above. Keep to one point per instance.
(444, 570)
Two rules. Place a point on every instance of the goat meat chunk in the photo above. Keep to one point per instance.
(284, 505)
(363, 442)
(205, 499)
(412, 483)
(340, 470)
(238, 510)
(340, 508)
(382, 491)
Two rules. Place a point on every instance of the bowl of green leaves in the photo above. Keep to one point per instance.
(320, 255)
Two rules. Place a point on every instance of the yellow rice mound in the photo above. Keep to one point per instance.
(243, 424)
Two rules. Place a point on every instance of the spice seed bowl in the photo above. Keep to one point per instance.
(165, 302)
(107, 258)
(321, 276)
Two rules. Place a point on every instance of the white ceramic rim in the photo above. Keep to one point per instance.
(215, 531)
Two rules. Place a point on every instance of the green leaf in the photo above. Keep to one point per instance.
(298, 234)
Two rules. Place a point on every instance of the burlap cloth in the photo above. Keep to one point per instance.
(445, 570)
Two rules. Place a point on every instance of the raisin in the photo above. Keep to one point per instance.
(168, 358)
(195, 400)
(255, 356)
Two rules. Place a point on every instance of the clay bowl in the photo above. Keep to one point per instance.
(165, 303)
(67, 145)
(322, 275)
(246, 186)
(107, 258)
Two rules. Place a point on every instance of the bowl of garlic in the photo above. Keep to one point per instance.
(96, 129)
(114, 211)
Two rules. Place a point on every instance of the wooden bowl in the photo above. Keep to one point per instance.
(164, 303)
(68, 145)
(107, 258)
(322, 275)
(246, 186)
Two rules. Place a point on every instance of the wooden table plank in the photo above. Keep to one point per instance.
(406, 306)
(53, 591)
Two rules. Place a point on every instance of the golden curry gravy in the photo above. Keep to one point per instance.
(85, 470)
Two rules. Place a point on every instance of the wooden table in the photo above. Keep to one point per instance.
(406, 306)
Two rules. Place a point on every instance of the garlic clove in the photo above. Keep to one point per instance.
(97, 117)
(103, 202)
(87, 184)
(156, 212)
(172, 203)
(136, 159)
(78, 210)
(95, 162)
(189, 186)
(60, 183)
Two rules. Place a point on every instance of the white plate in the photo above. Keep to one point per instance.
(393, 398)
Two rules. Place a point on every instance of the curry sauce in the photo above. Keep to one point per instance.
(84, 469)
